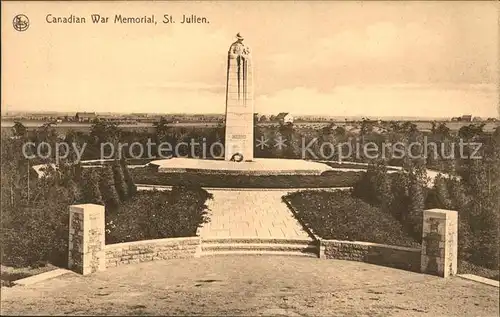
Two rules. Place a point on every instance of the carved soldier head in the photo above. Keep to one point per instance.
(238, 48)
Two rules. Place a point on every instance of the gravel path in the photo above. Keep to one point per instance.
(253, 285)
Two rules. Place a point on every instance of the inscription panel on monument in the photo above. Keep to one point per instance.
(238, 137)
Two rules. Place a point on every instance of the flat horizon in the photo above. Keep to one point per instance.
(222, 114)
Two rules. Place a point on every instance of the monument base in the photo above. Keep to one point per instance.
(258, 166)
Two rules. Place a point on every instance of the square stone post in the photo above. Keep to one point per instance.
(439, 242)
(86, 239)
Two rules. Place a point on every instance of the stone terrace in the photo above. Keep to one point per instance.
(260, 166)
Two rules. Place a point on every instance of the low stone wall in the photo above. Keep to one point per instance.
(151, 250)
(167, 170)
(374, 253)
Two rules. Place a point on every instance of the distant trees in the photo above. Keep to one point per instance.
(162, 128)
(469, 132)
(103, 131)
(418, 181)
(340, 132)
(91, 190)
(402, 194)
(128, 179)
(119, 178)
(108, 188)
(366, 126)
(375, 186)
(36, 231)
(19, 129)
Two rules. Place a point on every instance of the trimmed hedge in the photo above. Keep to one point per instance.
(150, 176)
(338, 215)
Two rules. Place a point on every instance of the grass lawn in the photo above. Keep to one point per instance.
(328, 179)
(158, 214)
(465, 267)
(338, 215)
(9, 274)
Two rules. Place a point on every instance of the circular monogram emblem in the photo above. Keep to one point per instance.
(21, 22)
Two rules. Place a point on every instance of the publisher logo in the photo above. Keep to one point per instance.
(21, 22)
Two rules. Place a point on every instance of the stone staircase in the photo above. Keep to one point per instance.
(253, 222)
(259, 246)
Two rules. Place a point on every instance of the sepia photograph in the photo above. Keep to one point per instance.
(250, 158)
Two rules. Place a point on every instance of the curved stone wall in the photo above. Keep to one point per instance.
(151, 250)
(374, 253)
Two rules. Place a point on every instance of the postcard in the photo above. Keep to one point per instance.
(250, 158)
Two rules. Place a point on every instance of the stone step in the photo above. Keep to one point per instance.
(253, 240)
(41, 277)
(302, 248)
(258, 252)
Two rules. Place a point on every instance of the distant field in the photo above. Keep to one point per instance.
(78, 125)
(62, 127)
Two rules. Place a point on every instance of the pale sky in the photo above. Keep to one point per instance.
(410, 58)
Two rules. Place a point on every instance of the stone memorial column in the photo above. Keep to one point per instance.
(439, 242)
(239, 102)
(86, 238)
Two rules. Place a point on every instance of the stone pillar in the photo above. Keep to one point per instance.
(86, 238)
(239, 102)
(439, 242)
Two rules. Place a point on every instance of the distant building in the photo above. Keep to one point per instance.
(85, 116)
(284, 117)
(477, 119)
(466, 118)
(141, 115)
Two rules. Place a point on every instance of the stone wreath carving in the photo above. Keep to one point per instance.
(237, 157)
